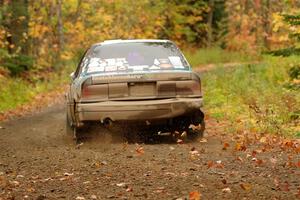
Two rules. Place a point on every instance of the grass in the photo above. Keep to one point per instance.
(254, 97)
(216, 56)
(16, 91)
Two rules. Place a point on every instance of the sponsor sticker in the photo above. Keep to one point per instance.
(111, 68)
(176, 62)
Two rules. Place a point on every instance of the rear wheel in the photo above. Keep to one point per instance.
(197, 126)
(196, 132)
(70, 129)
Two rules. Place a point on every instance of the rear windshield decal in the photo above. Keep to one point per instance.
(134, 57)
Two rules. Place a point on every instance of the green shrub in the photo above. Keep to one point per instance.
(215, 56)
(18, 63)
(294, 72)
(254, 97)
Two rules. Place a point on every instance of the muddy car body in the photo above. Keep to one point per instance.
(134, 80)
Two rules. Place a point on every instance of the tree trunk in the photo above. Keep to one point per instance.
(18, 27)
(267, 24)
(209, 22)
(77, 14)
(60, 26)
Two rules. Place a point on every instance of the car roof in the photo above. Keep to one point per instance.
(129, 41)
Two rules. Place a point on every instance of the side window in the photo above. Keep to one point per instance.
(80, 64)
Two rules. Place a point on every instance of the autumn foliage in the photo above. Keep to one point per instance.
(41, 34)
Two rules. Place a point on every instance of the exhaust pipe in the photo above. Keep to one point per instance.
(107, 122)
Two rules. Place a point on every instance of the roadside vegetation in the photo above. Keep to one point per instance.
(217, 55)
(255, 98)
(18, 91)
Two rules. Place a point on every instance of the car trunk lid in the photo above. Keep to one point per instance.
(142, 86)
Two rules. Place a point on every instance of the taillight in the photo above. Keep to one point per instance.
(93, 92)
(85, 92)
(191, 87)
(85, 88)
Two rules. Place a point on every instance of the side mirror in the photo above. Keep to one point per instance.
(72, 75)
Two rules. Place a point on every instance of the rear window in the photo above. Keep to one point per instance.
(134, 57)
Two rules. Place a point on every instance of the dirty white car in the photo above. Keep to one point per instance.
(148, 81)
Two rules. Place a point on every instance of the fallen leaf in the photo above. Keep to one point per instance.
(225, 146)
(140, 150)
(179, 141)
(240, 147)
(63, 179)
(276, 182)
(254, 159)
(285, 187)
(194, 195)
(298, 194)
(80, 198)
(196, 153)
(183, 134)
(41, 197)
(226, 190)
(239, 159)
(210, 164)
(94, 197)
(129, 189)
(219, 164)
(125, 145)
(263, 140)
(238, 120)
(290, 164)
(121, 184)
(224, 181)
(79, 145)
(259, 162)
(298, 163)
(254, 153)
(15, 183)
(3, 182)
(246, 186)
(68, 174)
(103, 163)
(20, 176)
(30, 189)
(171, 148)
(203, 140)
(159, 190)
(273, 160)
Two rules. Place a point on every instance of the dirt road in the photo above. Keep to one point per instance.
(38, 162)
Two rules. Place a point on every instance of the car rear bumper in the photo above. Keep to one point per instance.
(137, 110)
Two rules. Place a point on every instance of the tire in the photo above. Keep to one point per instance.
(70, 129)
(197, 131)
